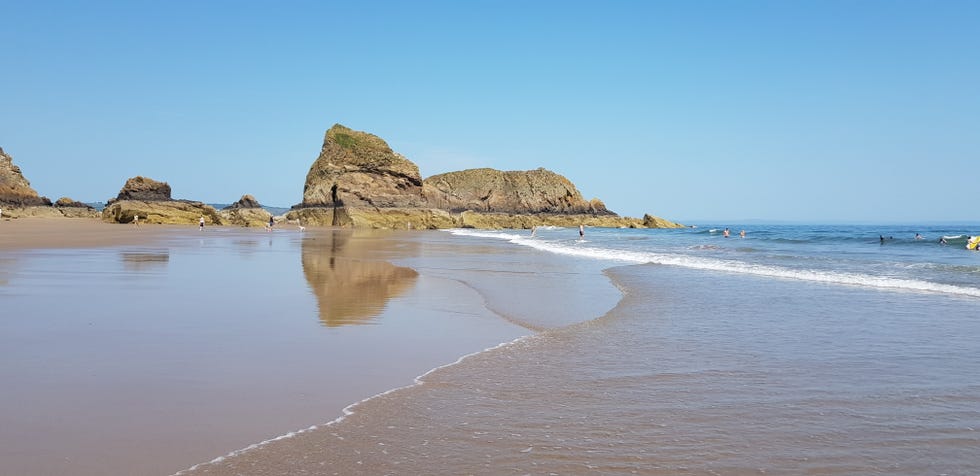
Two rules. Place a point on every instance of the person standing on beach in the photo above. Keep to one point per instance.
(201, 223)
(272, 221)
(581, 232)
(136, 220)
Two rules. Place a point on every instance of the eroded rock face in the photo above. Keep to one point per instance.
(357, 169)
(15, 190)
(495, 191)
(144, 189)
(175, 212)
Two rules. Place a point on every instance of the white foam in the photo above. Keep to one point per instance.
(710, 264)
(347, 411)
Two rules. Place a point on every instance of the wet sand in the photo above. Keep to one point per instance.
(25, 233)
(149, 350)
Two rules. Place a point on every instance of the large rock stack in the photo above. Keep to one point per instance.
(358, 181)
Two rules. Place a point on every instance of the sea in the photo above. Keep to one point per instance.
(796, 349)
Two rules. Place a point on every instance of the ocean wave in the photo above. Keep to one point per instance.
(728, 266)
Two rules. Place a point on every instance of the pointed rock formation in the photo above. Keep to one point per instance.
(357, 169)
(245, 212)
(247, 201)
(15, 190)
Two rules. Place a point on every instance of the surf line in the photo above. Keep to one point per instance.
(348, 410)
(839, 278)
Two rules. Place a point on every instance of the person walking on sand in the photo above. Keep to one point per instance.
(136, 220)
(272, 221)
(201, 223)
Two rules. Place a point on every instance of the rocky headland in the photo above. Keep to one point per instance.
(359, 181)
(18, 199)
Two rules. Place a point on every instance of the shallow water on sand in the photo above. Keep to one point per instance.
(693, 372)
(150, 359)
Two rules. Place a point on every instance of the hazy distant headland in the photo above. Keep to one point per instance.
(357, 181)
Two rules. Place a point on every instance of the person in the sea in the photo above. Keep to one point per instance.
(741, 234)
(581, 232)
(942, 240)
(918, 236)
(881, 238)
(726, 233)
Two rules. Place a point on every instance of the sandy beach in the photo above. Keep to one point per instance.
(149, 350)
(24, 233)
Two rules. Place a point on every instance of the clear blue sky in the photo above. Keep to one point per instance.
(694, 111)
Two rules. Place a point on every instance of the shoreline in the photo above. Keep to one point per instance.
(430, 323)
(448, 261)
(347, 412)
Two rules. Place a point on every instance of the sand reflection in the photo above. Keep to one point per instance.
(6, 270)
(350, 286)
(145, 260)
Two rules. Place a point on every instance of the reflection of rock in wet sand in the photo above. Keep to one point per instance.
(145, 260)
(6, 270)
(350, 288)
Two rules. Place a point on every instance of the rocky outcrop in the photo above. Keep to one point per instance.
(245, 212)
(173, 212)
(359, 182)
(524, 192)
(357, 169)
(144, 189)
(15, 190)
(150, 200)
(373, 218)
(247, 201)
(65, 202)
